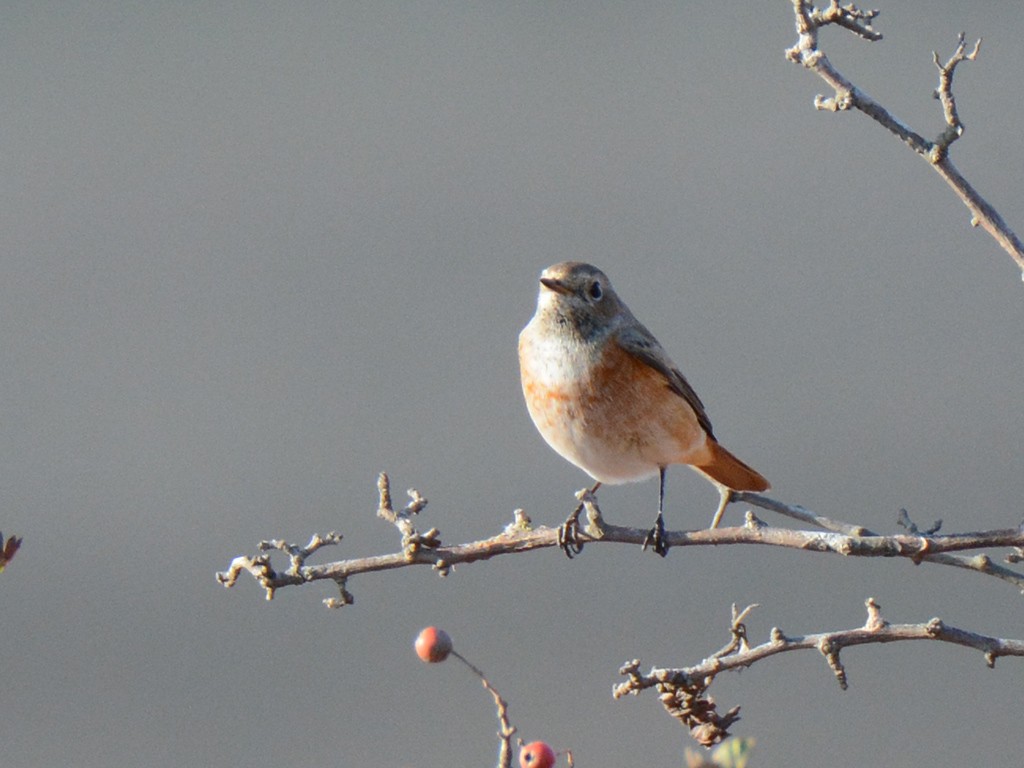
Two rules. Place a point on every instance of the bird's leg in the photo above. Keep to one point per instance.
(656, 536)
(568, 532)
(725, 498)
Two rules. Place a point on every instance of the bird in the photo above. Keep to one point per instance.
(605, 395)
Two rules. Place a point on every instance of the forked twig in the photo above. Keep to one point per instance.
(683, 691)
(807, 52)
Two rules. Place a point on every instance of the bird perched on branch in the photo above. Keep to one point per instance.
(606, 396)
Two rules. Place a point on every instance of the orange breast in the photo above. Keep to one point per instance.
(634, 401)
(609, 413)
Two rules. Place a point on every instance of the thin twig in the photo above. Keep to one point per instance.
(806, 52)
(944, 93)
(689, 685)
(979, 563)
(507, 730)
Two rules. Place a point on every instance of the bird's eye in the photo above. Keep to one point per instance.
(595, 290)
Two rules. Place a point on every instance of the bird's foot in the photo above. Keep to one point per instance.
(569, 533)
(656, 538)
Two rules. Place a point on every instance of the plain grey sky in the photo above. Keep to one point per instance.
(255, 253)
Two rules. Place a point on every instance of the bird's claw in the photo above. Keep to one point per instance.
(656, 538)
(569, 534)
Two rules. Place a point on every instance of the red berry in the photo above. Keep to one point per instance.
(537, 755)
(433, 645)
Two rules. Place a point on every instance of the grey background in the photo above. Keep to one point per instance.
(254, 253)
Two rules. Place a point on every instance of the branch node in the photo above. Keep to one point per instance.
(918, 557)
(875, 622)
(753, 522)
(831, 654)
(841, 102)
(416, 502)
(634, 684)
(412, 540)
(344, 596)
(520, 522)
(595, 521)
(982, 563)
(738, 631)
(849, 17)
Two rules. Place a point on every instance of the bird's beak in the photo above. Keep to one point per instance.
(555, 285)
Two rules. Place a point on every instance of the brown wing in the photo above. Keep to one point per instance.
(641, 344)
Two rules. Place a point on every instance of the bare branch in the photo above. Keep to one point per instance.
(980, 563)
(519, 536)
(848, 17)
(412, 541)
(801, 514)
(260, 569)
(944, 93)
(806, 52)
(683, 691)
(506, 729)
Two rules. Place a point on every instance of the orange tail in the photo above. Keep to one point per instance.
(725, 469)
